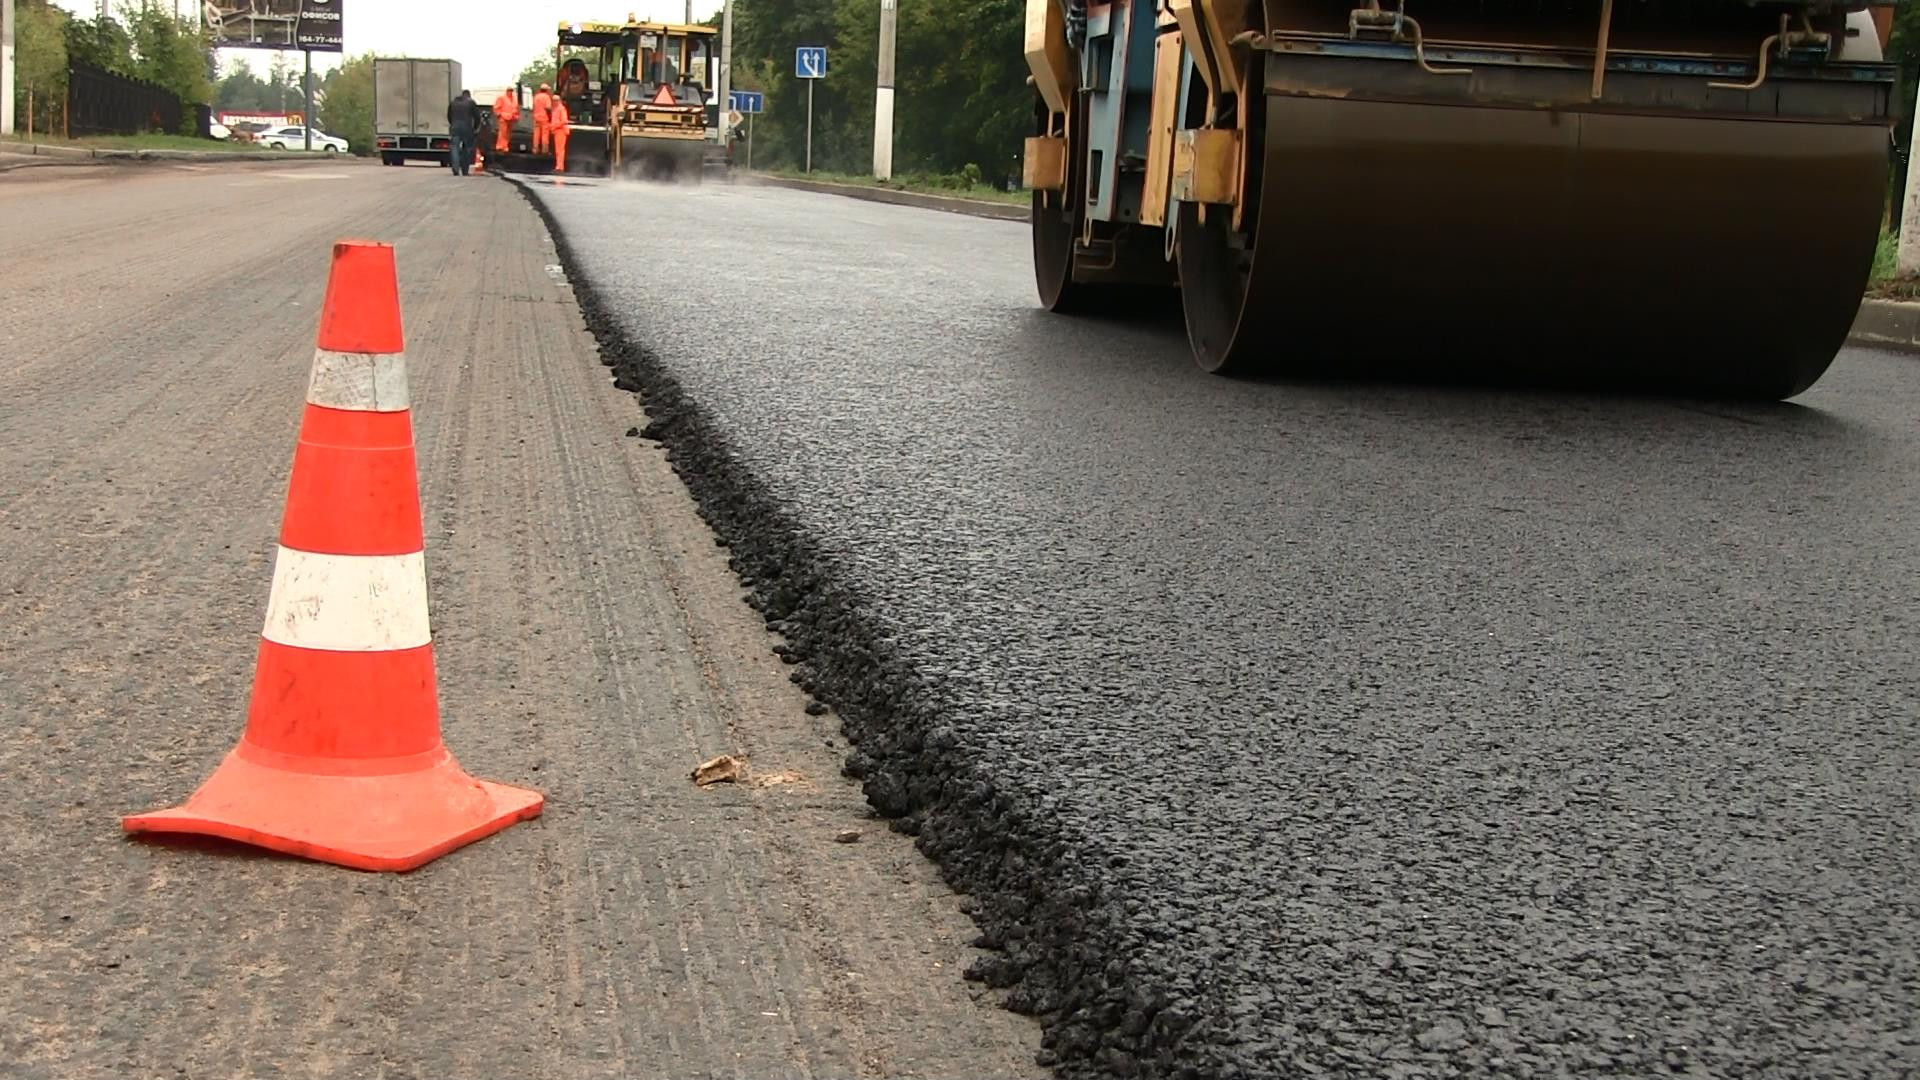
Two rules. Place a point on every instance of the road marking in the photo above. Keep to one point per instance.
(366, 382)
(348, 603)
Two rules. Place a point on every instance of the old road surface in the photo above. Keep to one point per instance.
(1292, 728)
(154, 347)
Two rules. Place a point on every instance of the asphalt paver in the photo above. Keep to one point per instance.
(155, 341)
(1289, 727)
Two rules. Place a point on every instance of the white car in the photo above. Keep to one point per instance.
(293, 138)
(218, 130)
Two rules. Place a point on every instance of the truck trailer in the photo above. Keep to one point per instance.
(410, 99)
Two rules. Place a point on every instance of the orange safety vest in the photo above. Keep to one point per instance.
(542, 102)
(557, 118)
(505, 108)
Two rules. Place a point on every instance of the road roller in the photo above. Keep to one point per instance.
(1683, 194)
(637, 94)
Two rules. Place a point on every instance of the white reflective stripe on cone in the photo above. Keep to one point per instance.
(364, 382)
(348, 603)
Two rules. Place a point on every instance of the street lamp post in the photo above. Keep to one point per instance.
(6, 67)
(883, 96)
(723, 96)
(1907, 254)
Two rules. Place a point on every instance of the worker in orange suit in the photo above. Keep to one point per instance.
(542, 103)
(557, 120)
(506, 109)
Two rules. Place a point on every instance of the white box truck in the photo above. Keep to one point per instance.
(410, 98)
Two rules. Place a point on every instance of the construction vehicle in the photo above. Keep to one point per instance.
(638, 95)
(1669, 193)
(410, 98)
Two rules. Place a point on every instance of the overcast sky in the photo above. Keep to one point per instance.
(492, 39)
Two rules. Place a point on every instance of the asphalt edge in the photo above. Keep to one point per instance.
(1057, 940)
(1886, 324)
(952, 204)
(82, 154)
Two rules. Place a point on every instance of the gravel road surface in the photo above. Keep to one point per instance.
(1303, 728)
(154, 349)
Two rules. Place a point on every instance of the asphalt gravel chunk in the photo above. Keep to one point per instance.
(1306, 728)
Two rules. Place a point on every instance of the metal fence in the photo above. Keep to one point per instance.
(102, 103)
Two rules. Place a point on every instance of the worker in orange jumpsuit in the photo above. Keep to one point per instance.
(557, 120)
(542, 102)
(506, 109)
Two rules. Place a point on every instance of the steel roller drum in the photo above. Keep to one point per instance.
(1717, 254)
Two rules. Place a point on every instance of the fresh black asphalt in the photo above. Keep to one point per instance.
(1300, 728)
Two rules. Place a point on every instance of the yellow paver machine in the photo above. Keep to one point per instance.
(1674, 192)
(638, 96)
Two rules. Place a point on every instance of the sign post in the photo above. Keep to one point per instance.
(306, 83)
(747, 103)
(810, 63)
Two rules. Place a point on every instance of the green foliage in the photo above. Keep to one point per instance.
(101, 43)
(40, 56)
(150, 45)
(1884, 258)
(960, 93)
(170, 53)
(240, 90)
(347, 109)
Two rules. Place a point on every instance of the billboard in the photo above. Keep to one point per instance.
(273, 24)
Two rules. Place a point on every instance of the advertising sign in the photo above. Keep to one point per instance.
(274, 24)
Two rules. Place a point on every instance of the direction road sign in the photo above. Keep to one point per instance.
(810, 62)
(748, 101)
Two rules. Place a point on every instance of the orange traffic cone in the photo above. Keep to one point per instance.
(342, 759)
(478, 165)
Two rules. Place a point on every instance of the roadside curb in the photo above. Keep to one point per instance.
(974, 207)
(77, 155)
(1887, 324)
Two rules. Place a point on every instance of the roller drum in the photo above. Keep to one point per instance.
(1699, 253)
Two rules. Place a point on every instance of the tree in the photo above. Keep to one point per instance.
(961, 93)
(40, 58)
(170, 54)
(347, 110)
(240, 90)
(101, 43)
(280, 78)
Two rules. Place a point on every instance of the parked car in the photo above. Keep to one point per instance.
(218, 130)
(294, 138)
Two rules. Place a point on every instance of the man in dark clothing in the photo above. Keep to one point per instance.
(463, 119)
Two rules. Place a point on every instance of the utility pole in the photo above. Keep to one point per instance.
(6, 67)
(1907, 256)
(883, 96)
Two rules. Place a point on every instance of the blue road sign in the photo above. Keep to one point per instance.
(810, 62)
(748, 102)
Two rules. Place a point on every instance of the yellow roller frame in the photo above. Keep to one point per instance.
(1208, 27)
(1048, 57)
(1208, 165)
(1161, 122)
(1043, 165)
